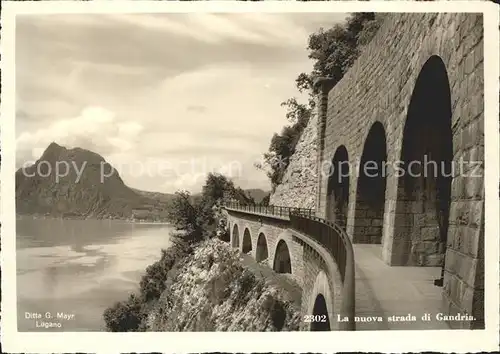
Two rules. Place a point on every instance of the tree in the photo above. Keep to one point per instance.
(182, 212)
(335, 50)
(195, 216)
(125, 316)
(265, 200)
(215, 187)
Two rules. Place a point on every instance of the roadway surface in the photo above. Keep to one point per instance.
(385, 291)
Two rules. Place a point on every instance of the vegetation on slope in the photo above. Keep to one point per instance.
(333, 52)
(211, 291)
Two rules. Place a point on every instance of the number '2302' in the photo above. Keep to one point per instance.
(315, 318)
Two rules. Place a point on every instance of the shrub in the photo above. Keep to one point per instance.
(125, 316)
(153, 282)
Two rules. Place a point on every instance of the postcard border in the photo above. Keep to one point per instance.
(190, 342)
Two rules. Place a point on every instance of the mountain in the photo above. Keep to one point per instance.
(86, 186)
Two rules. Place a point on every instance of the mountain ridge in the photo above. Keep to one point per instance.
(90, 188)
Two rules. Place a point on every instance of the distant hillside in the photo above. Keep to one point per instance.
(84, 197)
(160, 197)
(244, 196)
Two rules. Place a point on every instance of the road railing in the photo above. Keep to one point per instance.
(273, 210)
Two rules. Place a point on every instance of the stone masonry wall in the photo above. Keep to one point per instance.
(274, 231)
(298, 188)
(308, 263)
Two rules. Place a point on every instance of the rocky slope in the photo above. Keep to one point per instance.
(84, 187)
(298, 187)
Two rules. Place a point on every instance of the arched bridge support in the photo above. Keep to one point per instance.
(304, 260)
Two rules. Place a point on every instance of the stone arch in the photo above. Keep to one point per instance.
(424, 181)
(371, 185)
(261, 250)
(282, 258)
(247, 241)
(338, 188)
(235, 237)
(321, 303)
(320, 309)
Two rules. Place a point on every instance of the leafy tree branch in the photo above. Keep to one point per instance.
(333, 52)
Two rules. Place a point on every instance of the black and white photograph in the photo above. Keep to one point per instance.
(250, 171)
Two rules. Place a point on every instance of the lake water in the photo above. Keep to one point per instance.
(75, 269)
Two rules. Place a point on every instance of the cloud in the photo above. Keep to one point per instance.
(65, 63)
(211, 28)
(129, 129)
(256, 28)
(152, 90)
(196, 108)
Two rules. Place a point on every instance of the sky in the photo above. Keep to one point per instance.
(165, 98)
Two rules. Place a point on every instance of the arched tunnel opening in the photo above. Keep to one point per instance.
(338, 188)
(424, 190)
(370, 195)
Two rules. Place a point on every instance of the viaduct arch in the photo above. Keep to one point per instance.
(293, 254)
(282, 260)
(247, 241)
(261, 249)
(235, 236)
